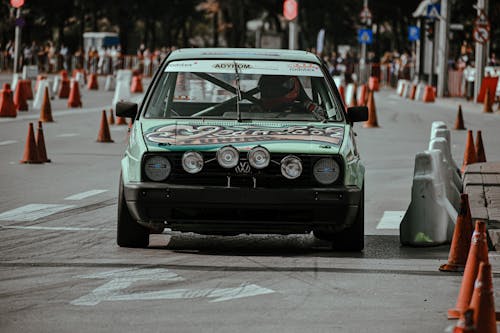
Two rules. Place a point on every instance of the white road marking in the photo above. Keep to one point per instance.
(33, 227)
(67, 135)
(7, 142)
(85, 195)
(391, 219)
(122, 279)
(32, 212)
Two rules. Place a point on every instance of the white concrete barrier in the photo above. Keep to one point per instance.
(122, 92)
(124, 75)
(419, 94)
(431, 217)
(401, 86)
(110, 83)
(350, 90)
(15, 78)
(80, 78)
(55, 85)
(37, 102)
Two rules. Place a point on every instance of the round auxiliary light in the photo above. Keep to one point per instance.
(291, 167)
(192, 162)
(259, 157)
(157, 168)
(326, 171)
(228, 157)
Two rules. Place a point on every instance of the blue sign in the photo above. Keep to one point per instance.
(434, 11)
(365, 36)
(413, 33)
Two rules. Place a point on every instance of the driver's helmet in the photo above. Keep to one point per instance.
(278, 90)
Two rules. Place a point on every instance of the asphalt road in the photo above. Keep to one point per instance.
(61, 271)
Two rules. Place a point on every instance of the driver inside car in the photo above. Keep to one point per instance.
(285, 93)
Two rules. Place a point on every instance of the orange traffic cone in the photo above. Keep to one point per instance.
(64, 87)
(482, 301)
(478, 252)
(460, 243)
(354, 100)
(40, 144)
(459, 121)
(104, 134)
(487, 102)
(7, 107)
(372, 112)
(136, 86)
(429, 96)
(120, 120)
(74, 99)
(46, 110)
(465, 323)
(28, 89)
(30, 149)
(373, 83)
(20, 101)
(481, 156)
(342, 93)
(413, 91)
(111, 120)
(93, 84)
(363, 95)
(470, 156)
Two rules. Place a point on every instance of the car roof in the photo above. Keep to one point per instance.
(243, 53)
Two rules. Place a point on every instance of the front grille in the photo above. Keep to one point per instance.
(215, 175)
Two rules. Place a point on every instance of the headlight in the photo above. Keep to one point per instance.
(291, 167)
(192, 162)
(326, 171)
(259, 157)
(157, 168)
(228, 157)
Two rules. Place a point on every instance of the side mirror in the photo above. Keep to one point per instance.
(126, 109)
(357, 113)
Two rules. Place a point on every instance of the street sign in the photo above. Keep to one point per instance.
(482, 19)
(413, 33)
(481, 34)
(16, 3)
(290, 9)
(365, 36)
(434, 11)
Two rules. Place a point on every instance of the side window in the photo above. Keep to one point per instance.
(161, 96)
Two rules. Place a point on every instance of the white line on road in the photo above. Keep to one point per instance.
(31, 227)
(67, 135)
(85, 195)
(7, 142)
(391, 219)
(32, 212)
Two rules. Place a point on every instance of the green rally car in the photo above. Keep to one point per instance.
(231, 141)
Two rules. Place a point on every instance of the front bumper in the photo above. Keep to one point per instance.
(223, 210)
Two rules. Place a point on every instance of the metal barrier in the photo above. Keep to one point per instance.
(98, 65)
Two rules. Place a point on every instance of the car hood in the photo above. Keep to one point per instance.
(211, 135)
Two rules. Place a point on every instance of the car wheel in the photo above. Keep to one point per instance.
(129, 233)
(351, 238)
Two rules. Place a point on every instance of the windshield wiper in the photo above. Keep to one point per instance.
(238, 92)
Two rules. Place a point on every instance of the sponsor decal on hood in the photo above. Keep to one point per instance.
(194, 135)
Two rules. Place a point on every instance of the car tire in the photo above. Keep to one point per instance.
(351, 238)
(129, 233)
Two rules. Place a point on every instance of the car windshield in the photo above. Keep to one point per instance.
(242, 90)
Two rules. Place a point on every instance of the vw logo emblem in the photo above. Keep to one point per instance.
(243, 168)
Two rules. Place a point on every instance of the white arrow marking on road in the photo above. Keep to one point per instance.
(7, 142)
(84, 195)
(391, 219)
(122, 279)
(32, 212)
